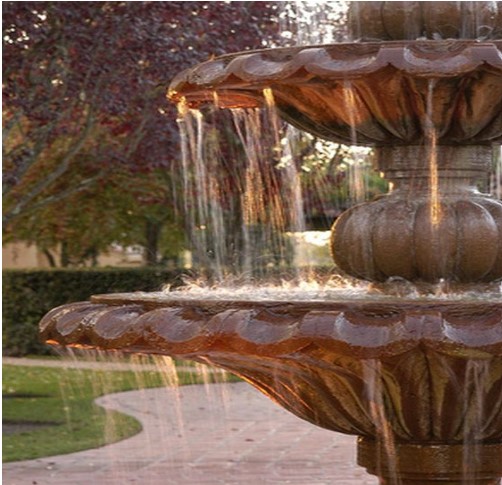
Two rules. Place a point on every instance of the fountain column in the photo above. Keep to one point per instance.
(435, 464)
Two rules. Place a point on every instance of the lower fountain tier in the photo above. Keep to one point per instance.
(428, 370)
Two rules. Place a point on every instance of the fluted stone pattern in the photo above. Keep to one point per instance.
(408, 234)
(394, 237)
(325, 362)
(367, 93)
(425, 20)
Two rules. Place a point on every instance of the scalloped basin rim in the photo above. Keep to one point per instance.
(359, 303)
(356, 329)
(316, 363)
(357, 58)
(278, 52)
(389, 82)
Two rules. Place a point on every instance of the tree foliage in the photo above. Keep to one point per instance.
(85, 119)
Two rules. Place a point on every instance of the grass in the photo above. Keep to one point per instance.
(100, 356)
(61, 400)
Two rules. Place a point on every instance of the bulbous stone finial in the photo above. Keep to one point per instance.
(397, 235)
(426, 20)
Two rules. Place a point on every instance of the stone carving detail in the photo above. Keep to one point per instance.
(381, 87)
(430, 20)
(320, 361)
(399, 240)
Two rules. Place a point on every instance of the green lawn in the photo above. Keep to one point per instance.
(63, 400)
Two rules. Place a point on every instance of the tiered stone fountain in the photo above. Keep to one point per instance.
(418, 380)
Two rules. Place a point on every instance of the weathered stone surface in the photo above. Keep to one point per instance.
(426, 20)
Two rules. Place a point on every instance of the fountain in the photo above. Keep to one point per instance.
(419, 380)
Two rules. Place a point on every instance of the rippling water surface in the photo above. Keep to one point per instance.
(325, 291)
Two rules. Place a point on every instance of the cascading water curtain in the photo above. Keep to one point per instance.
(313, 22)
(241, 192)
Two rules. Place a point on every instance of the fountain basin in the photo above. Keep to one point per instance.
(418, 380)
(369, 93)
(317, 359)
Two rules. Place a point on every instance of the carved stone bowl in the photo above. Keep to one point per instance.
(317, 358)
(424, 374)
(369, 93)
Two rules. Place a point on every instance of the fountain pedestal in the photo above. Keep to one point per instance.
(435, 464)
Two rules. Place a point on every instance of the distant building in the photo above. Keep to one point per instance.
(21, 255)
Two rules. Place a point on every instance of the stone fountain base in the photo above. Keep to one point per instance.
(439, 464)
(420, 381)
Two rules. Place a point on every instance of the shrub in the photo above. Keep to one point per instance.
(29, 294)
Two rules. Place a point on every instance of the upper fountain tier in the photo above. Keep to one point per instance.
(375, 93)
(369, 93)
(425, 20)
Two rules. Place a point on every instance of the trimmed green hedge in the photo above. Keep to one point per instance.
(29, 294)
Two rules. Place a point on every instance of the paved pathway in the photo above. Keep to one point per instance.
(203, 435)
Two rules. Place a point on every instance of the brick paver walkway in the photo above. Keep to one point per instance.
(203, 435)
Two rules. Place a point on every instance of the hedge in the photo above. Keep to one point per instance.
(29, 294)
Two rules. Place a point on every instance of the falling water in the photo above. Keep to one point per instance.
(375, 393)
(240, 201)
(313, 22)
(431, 146)
(476, 379)
(148, 371)
(273, 117)
(318, 23)
(357, 172)
(202, 188)
(496, 175)
(264, 215)
(287, 163)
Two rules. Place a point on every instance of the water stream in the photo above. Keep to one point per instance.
(432, 156)
(244, 202)
(376, 395)
(476, 382)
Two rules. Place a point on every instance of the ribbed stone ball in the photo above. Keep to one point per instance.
(397, 237)
(425, 20)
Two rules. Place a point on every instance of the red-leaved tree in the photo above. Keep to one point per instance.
(84, 105)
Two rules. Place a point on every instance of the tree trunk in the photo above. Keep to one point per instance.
(50, 258)
(152, 235)
(65, 256)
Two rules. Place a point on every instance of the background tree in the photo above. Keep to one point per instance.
(84, 84)
(334, 177)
